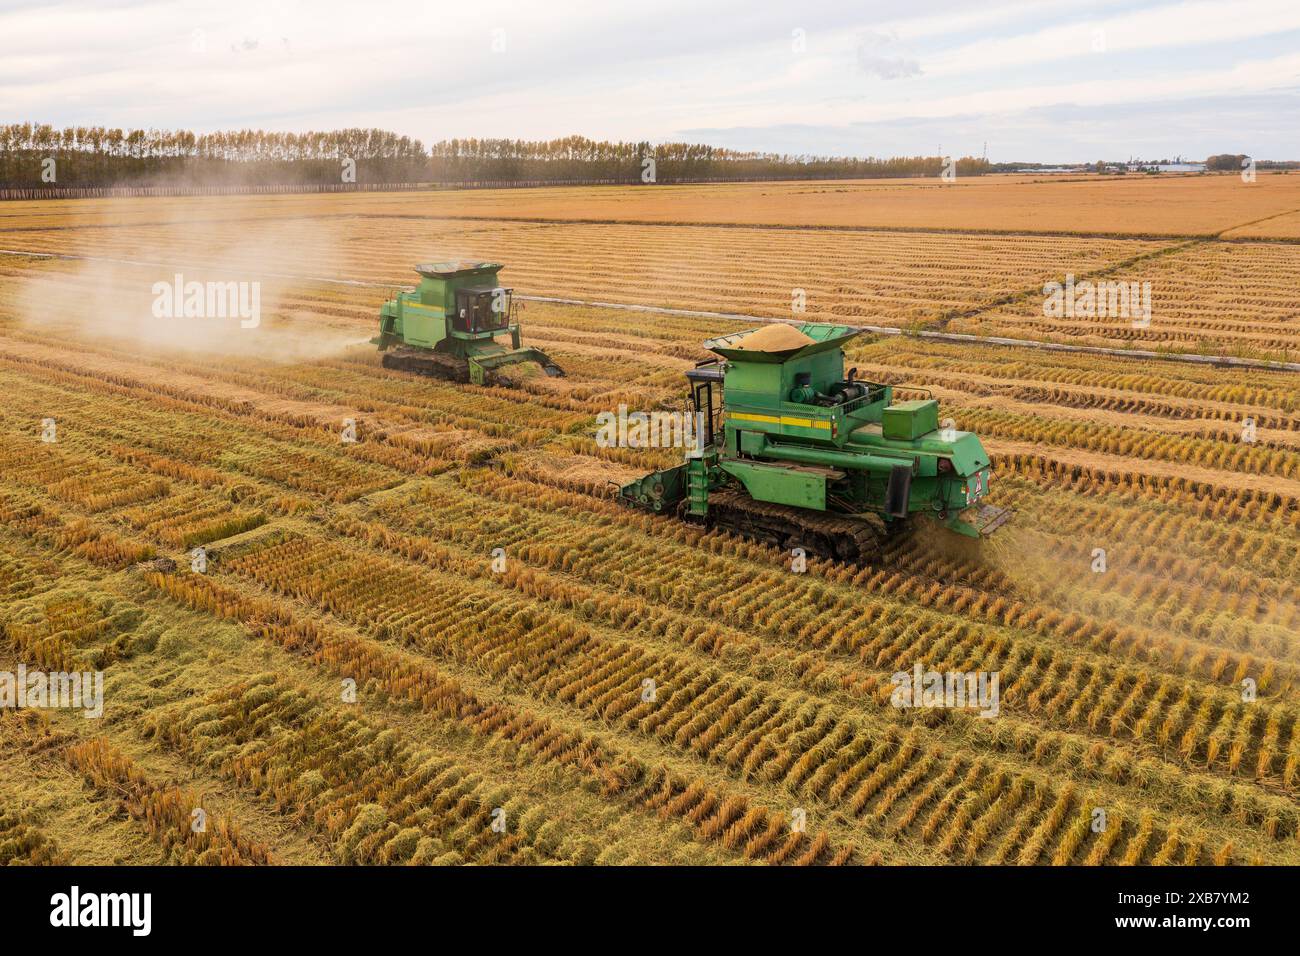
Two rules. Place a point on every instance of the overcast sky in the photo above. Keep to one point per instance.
(1050, 81)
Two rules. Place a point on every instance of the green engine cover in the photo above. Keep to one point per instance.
(781, 483)
(908, 421)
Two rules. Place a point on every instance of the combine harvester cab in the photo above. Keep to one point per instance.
(799, 453)
(448, 325)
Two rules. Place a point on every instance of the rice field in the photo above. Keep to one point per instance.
(443, 642)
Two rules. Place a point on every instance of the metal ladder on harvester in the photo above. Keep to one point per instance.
(697, 487)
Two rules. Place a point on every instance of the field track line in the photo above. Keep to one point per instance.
(1223, 236)
(789, 227)
(164, 265)
(955, 337)
(972, 231)
(946, 336)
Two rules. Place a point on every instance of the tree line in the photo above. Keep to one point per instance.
(33, 155)
(1221, 162)
(578, 158)
(104, 156)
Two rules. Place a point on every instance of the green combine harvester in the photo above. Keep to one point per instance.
(447, 327)
(796, 453)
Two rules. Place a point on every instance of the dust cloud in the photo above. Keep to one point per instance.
(230, 303)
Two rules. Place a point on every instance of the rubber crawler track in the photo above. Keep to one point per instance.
(436, 365)
(837, 537)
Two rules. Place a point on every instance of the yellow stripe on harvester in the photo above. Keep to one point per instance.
(783, 420)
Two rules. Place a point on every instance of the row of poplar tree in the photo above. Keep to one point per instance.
(33, 154)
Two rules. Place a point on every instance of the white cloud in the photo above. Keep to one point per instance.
(628, 71)
(1167, 26)
(1257, 76)
(879, 55)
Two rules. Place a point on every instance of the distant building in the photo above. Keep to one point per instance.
(1140, 167)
